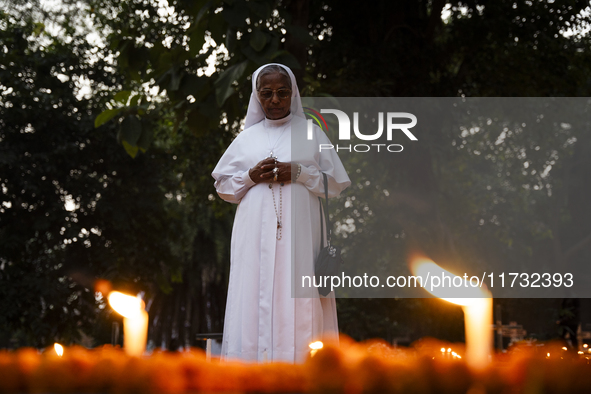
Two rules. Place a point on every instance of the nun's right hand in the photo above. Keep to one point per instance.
(256, 173)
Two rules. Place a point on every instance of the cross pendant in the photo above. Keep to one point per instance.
(279, 224)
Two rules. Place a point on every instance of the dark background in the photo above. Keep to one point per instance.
(143, 213)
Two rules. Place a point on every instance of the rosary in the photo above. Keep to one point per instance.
(279, 213)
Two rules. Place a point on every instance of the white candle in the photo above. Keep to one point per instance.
(479, 334)
(135, 322)
(265, 356)
(477, 305)
(208, 349)
(135, 334)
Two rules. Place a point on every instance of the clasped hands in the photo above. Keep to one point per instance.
(263, 171)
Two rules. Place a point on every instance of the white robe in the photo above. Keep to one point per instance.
(262, 315)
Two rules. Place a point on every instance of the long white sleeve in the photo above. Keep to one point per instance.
(233, 188)
(314, 162)
(232, 181)
(313, 180)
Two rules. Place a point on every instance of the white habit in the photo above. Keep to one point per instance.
(262, 316)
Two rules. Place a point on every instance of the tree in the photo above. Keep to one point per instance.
(150, 223)
(72, 208)
(505, 48)
(164, 89)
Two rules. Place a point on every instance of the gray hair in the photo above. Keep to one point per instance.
(272, 69)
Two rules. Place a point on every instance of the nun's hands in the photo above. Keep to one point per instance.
(261, 172)
(284, 171)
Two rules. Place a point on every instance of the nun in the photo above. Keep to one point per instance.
(273, 171)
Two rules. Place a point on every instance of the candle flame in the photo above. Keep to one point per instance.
(59, 349)
(316, 345)
(126, 305)
(425, 268)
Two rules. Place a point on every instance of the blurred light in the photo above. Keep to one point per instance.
(315, 346)
(126, 305)
(423, 267)
(59, 349)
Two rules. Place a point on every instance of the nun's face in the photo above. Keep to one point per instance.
(275, 95)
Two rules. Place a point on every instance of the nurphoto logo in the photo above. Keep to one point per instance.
(392, 124)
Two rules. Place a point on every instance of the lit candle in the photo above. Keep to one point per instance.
(135, 322)
(478, 311)
(315, 346)
(59, 349)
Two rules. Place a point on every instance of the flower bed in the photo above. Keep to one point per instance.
(369, 367)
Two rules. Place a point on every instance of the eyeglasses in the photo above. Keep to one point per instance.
(266, 94)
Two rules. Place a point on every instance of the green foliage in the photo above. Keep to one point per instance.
(438, 195)
(170, 54)
(224, 88)
(105, 116)
(72, 208)
(161, 89)
(43, 160)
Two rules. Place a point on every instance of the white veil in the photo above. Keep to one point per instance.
(255, 113)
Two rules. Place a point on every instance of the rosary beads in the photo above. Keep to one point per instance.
(278, 213)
